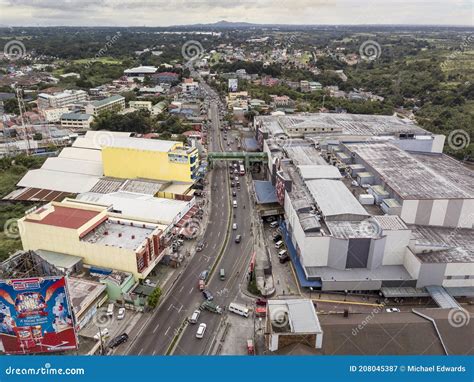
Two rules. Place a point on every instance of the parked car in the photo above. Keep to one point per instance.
(274, 224)
(234, 193)
(114, 342)
(201, 330)
(392, 310)
(194, 317)
(277, 238)
(207, 295)
(238, 238)
(200, 247)
(121, 314)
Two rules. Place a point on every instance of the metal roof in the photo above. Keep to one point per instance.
(58, 181)
(107, 100)
(334, 198)
(76, 116)
(319, 172)
(73, 166)
(80, 153)
(265, 192)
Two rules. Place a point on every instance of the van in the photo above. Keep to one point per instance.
(234, 203)
(274, 224)
(279, 244)
(238, 309)
(110, 309)
(282, 254)
(194, 317)
(222, 274)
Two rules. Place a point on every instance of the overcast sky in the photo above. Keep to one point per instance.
(180, 12)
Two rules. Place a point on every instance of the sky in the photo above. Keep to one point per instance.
(184, 12)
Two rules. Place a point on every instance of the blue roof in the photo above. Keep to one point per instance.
(250, 144)
(265, 192)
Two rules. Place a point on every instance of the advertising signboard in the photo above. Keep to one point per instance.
(36, 316)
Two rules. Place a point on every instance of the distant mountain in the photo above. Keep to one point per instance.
(221, 24)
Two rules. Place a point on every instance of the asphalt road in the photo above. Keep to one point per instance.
(185, 296)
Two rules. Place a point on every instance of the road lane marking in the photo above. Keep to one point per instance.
(156, 328)
(167, 330)
(154, 352)
(191, 291)
(140, 352)
(171, 305)
(181, 289)
(181, 307)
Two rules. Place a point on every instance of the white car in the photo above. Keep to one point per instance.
(201, 330)
(104, 332)
(121, 314)
(234, 226)
(392, 310)
(194, 317)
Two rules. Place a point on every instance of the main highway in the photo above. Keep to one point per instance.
(162, 332)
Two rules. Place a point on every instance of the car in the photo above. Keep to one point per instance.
(277, 238)
(201, 330)
(203, 275)
(207, 295)
(274, 224)
(195, 316)
(392, 310)
(354, 183)
(121, 314)
(150, 283)
(232, 184)
(238, 238)
(284, 259)
(116, 341)
(234, 226)
(234, 193)
(103, 332)
(261, 302)
(200, 247)
(236, 179)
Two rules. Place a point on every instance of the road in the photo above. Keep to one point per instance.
(185, 297)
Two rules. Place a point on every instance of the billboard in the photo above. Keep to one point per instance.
(233, 84)
(36, 316)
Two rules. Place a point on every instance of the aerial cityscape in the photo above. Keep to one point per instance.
(273, 183)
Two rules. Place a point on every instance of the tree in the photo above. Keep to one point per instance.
(154, 298)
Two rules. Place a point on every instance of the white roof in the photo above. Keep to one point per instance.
(143, 144)
(97, 133)
(86, 143)
(140, 206)
(81, 154)
(73, 166)
(334, 198)
(58, 181)
(141, 69)
(319, 172)
(302, 316)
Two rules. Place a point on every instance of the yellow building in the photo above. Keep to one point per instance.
(101, 238)
(130, 158)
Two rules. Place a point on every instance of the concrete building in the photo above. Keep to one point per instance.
(57, 100)
(99, 236)
(290, 322)
(114, 103)
(189, 85)
(140, 72)
(132, 158)
(141, 105)
(76, 121)
(54, 114)
(430, 189)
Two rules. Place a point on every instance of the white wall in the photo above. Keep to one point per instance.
(412, 264)
(438, 212)
(409, 208)
(396, 246)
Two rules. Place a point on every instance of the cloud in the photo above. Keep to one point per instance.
(179, 12)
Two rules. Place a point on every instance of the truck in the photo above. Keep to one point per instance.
(211, 307)
(201, 285)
